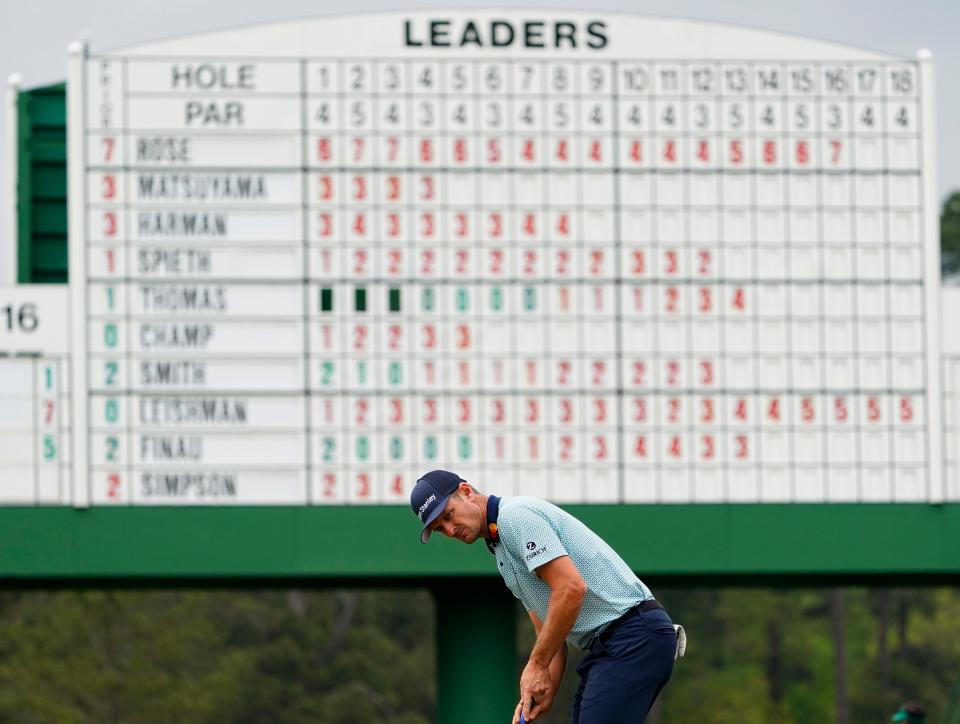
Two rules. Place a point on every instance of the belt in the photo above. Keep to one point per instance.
(649, 605)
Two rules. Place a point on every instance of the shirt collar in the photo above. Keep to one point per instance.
(493, 512)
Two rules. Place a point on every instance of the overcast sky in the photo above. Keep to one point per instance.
(34, 35)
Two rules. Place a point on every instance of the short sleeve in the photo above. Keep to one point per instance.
(529, 536)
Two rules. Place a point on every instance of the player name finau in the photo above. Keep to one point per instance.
(177, 298)
(188, 485)
(187, 410)
(176, 223)
(176, 336)
(171, 447)
(201, 187)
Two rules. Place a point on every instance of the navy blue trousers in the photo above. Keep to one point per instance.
(625, 669)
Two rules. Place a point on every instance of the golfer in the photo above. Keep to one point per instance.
(575, 588)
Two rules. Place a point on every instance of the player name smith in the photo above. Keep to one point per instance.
(446, 33)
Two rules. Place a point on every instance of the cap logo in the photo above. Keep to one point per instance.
(426, 504)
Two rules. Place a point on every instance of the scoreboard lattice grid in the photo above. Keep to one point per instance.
(591, 278)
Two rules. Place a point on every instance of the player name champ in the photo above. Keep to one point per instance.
(177, 336)
(441, 33)
(188, 485)
(200, 187)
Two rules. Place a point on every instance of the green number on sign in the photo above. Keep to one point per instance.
(112, 445)
(326, 373)
(48, 376)
(396, 373)
(396, 448)
(427, 300)
(328, 447)
(430, 447)
(49, 448)
(363, 447)
(110, 297)
(110, 373)
(110, 335)
(362, 373)
(463, 300)
(496, 299)
(111, 410)
(529, 298)
(465, 447)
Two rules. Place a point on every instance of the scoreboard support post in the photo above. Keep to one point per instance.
(8, 247)
(931, 221)
(76, 215)
(477, 680)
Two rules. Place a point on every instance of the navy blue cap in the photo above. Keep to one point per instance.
(429, 497)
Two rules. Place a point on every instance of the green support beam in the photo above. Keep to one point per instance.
(350, 542)
(477, 681)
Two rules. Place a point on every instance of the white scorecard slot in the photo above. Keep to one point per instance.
(35, 419)
(572, 257)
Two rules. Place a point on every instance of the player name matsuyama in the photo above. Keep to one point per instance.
(201, 187)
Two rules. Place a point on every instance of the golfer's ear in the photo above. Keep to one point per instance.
(465, 490)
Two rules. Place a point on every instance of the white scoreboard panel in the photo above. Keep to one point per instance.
(35, 440)
(587, 257)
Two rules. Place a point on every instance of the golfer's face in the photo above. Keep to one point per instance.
(459, 519)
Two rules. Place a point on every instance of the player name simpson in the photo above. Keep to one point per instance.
(441, 33)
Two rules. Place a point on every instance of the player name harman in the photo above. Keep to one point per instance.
(193, 411)
(446, 33)
(181, 223)
(179, 298)
(171, 447)
(173, 261)
(201, 187)
(188, 485)
(170, 335)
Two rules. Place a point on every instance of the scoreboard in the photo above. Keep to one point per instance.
(589, 257)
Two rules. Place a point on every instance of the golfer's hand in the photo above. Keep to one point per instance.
(536, 690)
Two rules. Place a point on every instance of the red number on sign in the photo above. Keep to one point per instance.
(639, 372)
(840, 409)
(324, 149)
(906, 409)
(110, 223)
(109, 188)
(640, 446)
(639, 410)
(108, 144)
(707, 451)
(363, 485)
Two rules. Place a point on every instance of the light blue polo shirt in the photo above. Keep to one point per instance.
(533, 532)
